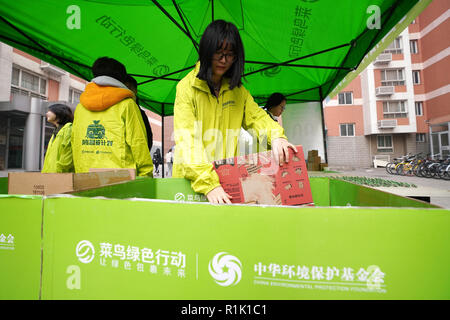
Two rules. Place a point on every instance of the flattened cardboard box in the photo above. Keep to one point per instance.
(256, 178)
(37, 183)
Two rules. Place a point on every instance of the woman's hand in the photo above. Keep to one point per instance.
(280, 150)
(218, 195)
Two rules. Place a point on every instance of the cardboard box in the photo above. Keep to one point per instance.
(257, 179)
(131, 171)
(37, 183)
(313, 153)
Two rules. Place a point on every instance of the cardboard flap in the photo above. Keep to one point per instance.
(101, 177)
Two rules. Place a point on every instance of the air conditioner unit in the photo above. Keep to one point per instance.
(384, 91)
(383, 58)
(45, 66)
(387, 124)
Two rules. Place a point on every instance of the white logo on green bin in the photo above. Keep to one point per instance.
(180, 197)
(85, 251)
(225, 269)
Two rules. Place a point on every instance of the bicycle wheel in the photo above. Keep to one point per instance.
(441, 171)
(399, 169)
(425, 171)
(416, 170)
(434, 171)
(389, 167)
(446, 175)
(408, 170)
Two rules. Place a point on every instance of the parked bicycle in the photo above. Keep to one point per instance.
(430, 167)
(444, 169)
(409, 165)
(403, 165)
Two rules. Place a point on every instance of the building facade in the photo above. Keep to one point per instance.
(28, 86)
(400, 103)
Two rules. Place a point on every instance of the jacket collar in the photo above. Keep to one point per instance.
(271, 115)
(108, 82)
(203, 85)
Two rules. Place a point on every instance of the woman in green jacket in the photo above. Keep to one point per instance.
(211, 107)
(59, 151)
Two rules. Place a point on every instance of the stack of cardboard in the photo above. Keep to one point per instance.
(257, 179)
(37, 183)
(313, 160)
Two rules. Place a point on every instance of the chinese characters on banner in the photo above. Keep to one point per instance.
(142, 259)
(127, 40)
(301, 23)
(372, 276)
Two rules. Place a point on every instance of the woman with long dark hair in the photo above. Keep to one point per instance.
(211, 107)
(59, 151)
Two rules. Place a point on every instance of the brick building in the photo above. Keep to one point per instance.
(28, 86)
(400, 103)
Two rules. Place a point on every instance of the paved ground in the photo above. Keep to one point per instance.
(437, 189)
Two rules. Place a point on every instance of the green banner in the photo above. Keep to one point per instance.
(20, 247)
(149, 249)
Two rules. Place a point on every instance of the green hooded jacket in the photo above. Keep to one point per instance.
(58, 157)
(207, 128)
(108, 131)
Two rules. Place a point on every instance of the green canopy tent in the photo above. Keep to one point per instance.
(301, 48)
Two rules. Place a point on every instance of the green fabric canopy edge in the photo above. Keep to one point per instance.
(393, 14)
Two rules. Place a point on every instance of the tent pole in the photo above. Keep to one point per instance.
(162, 140)
(212, 10)
(168, 74)
(299, 58)
(2, 37)
(185, 25)
(186, 32)
(323, 126)
(43, 48)
(299, 65)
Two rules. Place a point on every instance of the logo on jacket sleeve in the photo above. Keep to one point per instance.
(95, 135)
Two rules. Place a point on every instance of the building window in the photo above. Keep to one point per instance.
(384, 143)
(74, 95)
(347, 129)
(416, 76)
(395, 46)
(420, 137)
(28, 83)
(413, 46)
(392, 77)
(394, 109)
(419, 108)
(346, 98)
(15, 77)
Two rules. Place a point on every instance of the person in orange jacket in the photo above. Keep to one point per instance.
(108, 130)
